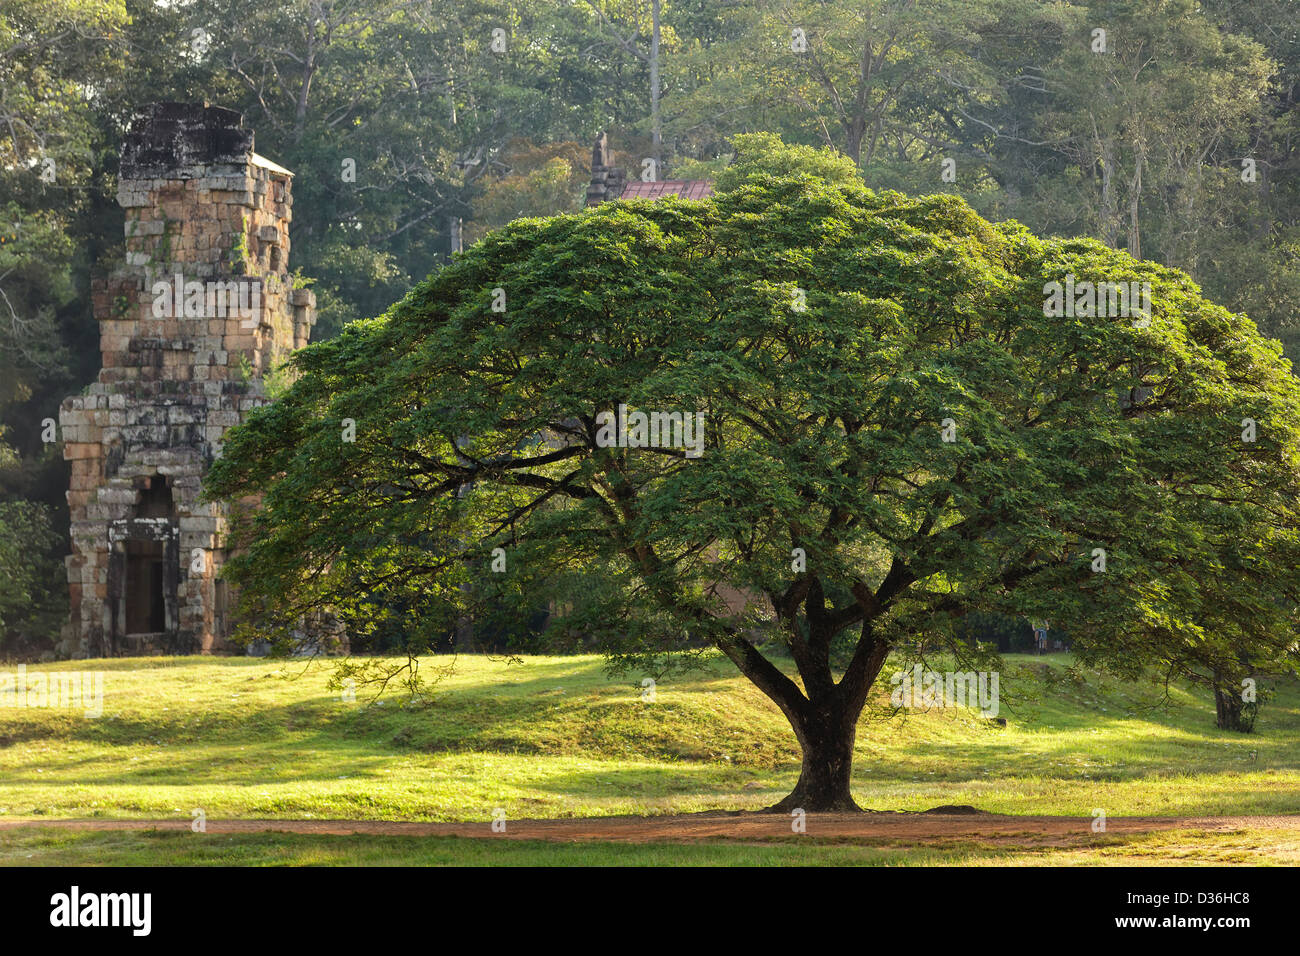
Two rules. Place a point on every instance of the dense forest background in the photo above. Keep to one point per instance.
(1174, 134)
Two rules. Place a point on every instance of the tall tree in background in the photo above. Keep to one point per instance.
(637, 30)
(1153, 136)
(1261, 275)
(59, 59)
(391, 114)
(1146, 111)
(55, 59)
(844, 70)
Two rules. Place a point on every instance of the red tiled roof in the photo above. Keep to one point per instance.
(686, 188)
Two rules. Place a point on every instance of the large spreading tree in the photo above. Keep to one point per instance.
(897, 434)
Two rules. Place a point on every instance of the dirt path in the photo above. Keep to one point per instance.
(909, 828)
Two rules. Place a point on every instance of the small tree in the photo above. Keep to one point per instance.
(896, 433)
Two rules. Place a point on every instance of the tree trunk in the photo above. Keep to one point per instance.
(824, 714)
(826, 733)
(855, 130)
(1227, 710)
(656, 131)
(1134, 225)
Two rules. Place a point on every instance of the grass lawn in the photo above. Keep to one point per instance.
(555, 737)
(36, 846)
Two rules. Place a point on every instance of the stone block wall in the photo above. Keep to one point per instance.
(200, 311)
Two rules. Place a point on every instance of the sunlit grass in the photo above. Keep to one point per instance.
(553, 737)
(44, 846)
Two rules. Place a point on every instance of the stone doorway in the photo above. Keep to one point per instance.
(144, 593)
(143, 574)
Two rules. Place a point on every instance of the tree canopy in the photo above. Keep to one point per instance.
(1174, 139)
(898, 433)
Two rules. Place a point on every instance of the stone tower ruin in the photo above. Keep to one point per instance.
(201, 311)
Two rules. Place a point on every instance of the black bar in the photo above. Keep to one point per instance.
(336, 906)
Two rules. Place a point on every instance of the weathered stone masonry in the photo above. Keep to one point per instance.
(200, 204)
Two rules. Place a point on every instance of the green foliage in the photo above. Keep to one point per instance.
(763, 154)
(476, 430)
(58, 59)
(1140, 148)
(275, 382)
(539, 182)
(32, 600)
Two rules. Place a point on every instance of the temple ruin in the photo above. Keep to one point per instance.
(201, 310)
(610, 182)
